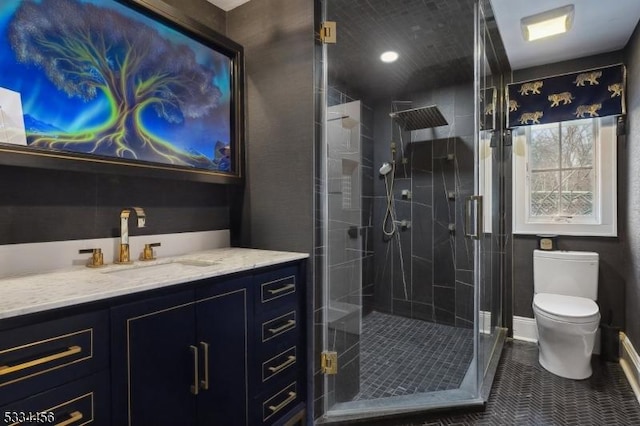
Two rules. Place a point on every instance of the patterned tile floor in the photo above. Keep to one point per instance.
(526, 394)
(402, 356)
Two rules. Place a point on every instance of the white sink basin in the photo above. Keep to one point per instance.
(176, 267)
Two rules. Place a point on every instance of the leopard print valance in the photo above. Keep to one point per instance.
(592, 93)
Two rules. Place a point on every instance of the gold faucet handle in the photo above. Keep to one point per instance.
(147, 252)
(96, 260)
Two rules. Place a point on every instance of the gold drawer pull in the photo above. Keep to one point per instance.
(6, 369)
(276, 408)
(291, 323)
(283, 288)
(204, 384)
(195, 387)
(290, 360)
(75, 416)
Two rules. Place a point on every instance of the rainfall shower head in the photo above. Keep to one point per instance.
(419, 118)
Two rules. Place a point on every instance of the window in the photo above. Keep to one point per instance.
(565, 178)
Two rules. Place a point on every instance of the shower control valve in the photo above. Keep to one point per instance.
(404, 224)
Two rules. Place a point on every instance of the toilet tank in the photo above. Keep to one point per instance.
(571, 273)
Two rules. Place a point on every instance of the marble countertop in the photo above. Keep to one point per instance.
(36, 293)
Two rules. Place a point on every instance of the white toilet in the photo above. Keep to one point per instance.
(567, 316)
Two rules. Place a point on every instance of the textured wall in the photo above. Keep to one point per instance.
(202, 11)
(277, 36)
(38, 205)
(633, 189)
(611, 285)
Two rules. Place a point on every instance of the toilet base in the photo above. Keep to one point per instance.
(574, 372)
(565, 348)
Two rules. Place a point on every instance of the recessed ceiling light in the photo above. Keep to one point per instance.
(389, 56)
(546, 24)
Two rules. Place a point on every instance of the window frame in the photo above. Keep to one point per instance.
(604, 222)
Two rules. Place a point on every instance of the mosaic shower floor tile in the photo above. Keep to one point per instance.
(403, 356)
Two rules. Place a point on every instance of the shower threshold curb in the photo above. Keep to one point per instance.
(418, 406)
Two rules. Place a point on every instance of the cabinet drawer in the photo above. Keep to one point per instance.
(280, 364)
(277, 288)
(280, 326)
(274, 406)
(83, 402)
(45, 355)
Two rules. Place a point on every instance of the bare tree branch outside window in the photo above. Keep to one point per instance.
(561, 169)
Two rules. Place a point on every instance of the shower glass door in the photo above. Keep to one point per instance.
(405, 254)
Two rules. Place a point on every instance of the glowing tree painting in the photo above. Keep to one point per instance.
(90, 52)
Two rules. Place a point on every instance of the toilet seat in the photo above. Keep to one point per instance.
(570, 309)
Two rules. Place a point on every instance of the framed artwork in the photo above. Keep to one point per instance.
(118, 84)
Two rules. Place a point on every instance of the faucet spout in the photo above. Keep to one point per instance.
(124, 230)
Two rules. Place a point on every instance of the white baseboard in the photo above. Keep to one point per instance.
(525, 329)
(630, 363)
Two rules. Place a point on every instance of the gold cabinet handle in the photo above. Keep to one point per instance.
(281, 289)
(276, 408)
(7, 369)
(204, 384)
(75, 416)
(291, 323)
(195, 386)
(291, 359)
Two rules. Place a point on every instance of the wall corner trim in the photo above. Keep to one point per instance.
(630, 363)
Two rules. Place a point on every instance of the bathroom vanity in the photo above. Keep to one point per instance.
(215, 337)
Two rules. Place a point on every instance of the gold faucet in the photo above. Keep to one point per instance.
(123, 252)
(96, 260)
(147, 252)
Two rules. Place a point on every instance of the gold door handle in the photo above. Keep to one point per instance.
(276, 408)
(290, 324)
(281, 289)
(195, 386)
(290, 360)
(204, 384)
(75, 416)
(7, 369)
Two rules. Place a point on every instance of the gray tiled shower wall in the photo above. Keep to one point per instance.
(349, 163)
(432, 254)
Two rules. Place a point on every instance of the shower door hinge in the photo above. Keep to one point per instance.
(328, 32)
(329, 362)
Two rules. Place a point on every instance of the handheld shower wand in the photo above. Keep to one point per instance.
(388, 184)
(385, 169)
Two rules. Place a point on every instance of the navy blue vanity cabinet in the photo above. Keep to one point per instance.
(45, 366)
(81, 402)
(152, 364)
(223, 319)
(181, 358)
(279, 367)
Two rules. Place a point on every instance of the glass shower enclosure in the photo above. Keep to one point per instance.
(409, 209)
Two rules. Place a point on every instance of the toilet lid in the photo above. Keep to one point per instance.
(565, 306)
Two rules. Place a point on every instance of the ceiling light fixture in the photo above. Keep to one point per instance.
(546, 24)
(389, 56)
